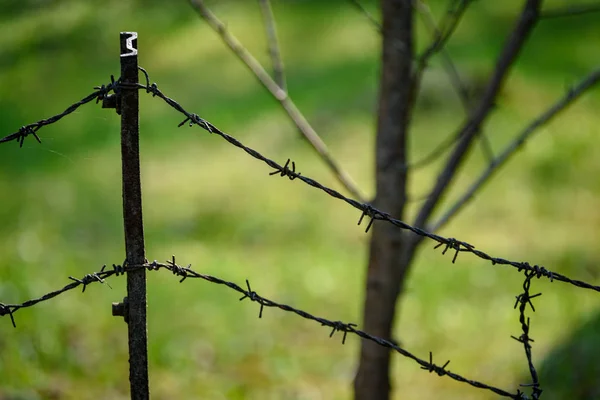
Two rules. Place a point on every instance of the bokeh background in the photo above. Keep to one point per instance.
(215, 207)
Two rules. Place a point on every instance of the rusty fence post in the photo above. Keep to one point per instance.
(134, 306)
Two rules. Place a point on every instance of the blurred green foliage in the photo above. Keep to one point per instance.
(213, 206)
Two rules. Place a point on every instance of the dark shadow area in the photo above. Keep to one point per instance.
(572, 369)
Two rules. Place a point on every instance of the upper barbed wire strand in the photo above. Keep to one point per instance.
(368, 210)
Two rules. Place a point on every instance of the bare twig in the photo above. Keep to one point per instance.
(436, 153)
(453, 16)
(31, 129)
(459, 87)
(271, 30)
(449, 23)
(295, 115)
(451, 70)
(367, 14)
(568, 99)
(509, 54)
(571, 10)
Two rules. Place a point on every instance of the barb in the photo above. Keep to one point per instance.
(32, 129)
(569, 98)
(436, 153)
(451, 70)
(280, 94)
(286, 171)
(523, 300)
(269, 20)
(365, 208)
(452, 18)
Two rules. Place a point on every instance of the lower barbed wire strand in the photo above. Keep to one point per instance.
(337, 326)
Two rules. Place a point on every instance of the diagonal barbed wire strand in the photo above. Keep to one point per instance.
(187, 272)
(289, 170)
(368, 210)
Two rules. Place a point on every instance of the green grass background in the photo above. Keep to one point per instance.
(215, 207)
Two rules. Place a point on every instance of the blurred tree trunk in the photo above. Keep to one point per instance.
(388, 259)
(392, 250)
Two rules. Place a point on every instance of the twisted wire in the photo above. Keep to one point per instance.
(367, 210)
(185, 272)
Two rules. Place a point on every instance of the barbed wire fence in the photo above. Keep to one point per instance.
(112, 96)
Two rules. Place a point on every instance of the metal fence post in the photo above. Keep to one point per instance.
(132, 217)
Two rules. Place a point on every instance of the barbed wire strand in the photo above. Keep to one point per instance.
(32, 129)
(523, 300)
(10, 309)
(368, 211)
(187, 272)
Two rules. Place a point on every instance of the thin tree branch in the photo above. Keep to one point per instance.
(571, 10)
(452, 17)
(367, 14)
(455, 80)
(564, 102)
(271, 30)
(278, 93)
(450, 21)
(524, 26)
(451, 70)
